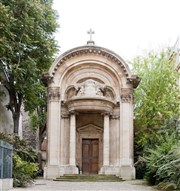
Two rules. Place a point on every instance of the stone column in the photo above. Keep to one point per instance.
(106, 140)
(127, 170)
(72, 147)
(71, 168)
(53, 133)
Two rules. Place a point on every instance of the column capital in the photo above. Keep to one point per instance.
(54, 93)
(65, 115)
(126, 98)
(107, 113)
(73, 112)
(115, 117)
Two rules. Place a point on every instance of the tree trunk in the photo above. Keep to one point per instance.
(16, 116)
(39, 149)
(40, 140)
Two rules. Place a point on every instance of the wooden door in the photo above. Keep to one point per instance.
(90, 156)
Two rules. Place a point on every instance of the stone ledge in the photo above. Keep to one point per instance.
(6, 184)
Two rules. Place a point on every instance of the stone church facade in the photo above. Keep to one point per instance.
(90, 114)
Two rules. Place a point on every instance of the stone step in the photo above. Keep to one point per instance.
(89, 178)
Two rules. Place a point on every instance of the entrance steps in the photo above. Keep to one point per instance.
(89, 178)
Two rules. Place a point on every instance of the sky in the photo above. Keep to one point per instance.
(127, 27)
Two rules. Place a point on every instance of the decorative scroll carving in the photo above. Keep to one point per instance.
(90, 88)
(126, 98)
(71, 92)
(134, 80)
(53, 93)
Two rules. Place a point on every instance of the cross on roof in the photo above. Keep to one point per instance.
(90, 32)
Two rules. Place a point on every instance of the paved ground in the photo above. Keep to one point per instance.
(136, 185)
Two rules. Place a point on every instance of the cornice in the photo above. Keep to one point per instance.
(90, 50)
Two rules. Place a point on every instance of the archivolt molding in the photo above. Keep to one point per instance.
(92, 50)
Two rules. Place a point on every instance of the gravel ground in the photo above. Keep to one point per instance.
(46, 185)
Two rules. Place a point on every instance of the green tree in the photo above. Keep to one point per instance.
(27, 47)
(157, 96)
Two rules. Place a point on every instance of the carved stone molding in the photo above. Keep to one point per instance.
(90, 129)
(134, 80)
(85, 50)
(72, 112)
(115, 117)
(105, 113)
(53, 93)
(126, 98)
(65, 116)
(90, 88)
(125, 91)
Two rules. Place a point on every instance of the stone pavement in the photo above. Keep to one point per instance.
(46, 185)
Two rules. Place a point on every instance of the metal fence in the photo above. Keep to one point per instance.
(6, 153)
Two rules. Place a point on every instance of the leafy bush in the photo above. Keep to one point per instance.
(24, 158)
(20, 147)
(163, 161)
(170, 172)
(23, 171)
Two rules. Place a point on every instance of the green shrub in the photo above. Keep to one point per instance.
(23, 171)
(24, 166)
(170, 172)
(163, 161)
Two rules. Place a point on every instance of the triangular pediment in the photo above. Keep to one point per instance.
(90, 128)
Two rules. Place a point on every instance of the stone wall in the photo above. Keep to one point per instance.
(6, 122)
(27, 133)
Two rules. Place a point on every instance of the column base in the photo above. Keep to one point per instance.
(51, 172)
(109, 170)
(68, 170)
(127, 172)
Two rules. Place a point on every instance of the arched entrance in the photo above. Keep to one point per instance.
(90, 114)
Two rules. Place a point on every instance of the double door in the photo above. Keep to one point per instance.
(90, 156)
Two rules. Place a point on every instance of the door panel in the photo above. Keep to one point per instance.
(90, 156)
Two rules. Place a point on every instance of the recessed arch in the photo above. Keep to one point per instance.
(84, 70)
(90, 85)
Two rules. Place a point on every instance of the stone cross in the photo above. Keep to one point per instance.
(90, 32)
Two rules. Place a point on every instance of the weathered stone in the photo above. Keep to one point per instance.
(90, 114)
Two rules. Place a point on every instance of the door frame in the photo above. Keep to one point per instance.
(89, 131)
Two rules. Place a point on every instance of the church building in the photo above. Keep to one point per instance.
(90, 114)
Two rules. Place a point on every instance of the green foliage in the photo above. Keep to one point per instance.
(157, 96)
(27, 47)
(24, 158)
(157, 108)
(161, 159)
(38, 116)
(23, 171)
(170, 171)
(20, 147)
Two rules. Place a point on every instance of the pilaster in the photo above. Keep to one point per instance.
(53, 128)
(127, 170)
